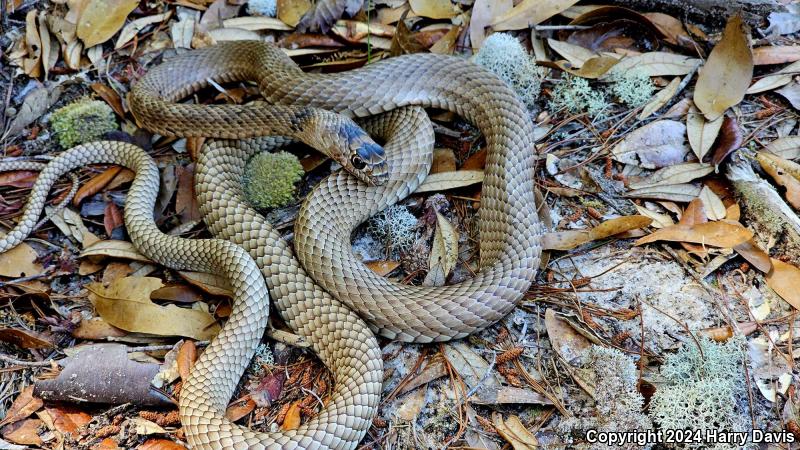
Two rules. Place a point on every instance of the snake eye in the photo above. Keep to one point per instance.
(358, 163)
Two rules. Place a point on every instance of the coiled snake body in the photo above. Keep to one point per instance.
(510, 230)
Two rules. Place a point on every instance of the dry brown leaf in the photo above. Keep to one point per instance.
(213, 284)
(567, 240)
(25, 432)
(126, 304)
(95, 184)
(382, 268)
(661, 98)
(101, 19)
(566, 341)
(787, 147)
(679, 173)
(447, 44)
(751, 252)
(729, 140)
(513, 431)
(32, 65)
(434, 9)
(592, 68)
(187, 355)
(658, 64)
(484, 13)
(530, 12)
(702, 133)
(659, 220)
(726, 74)
(24, 405)
(239, 409)
(71, 224)
(776, 80)
(712, 204)
(792, 93)
(111, 97)
(290, 11)
(160, 444)
(450, 180)
(66, 418)
(657, 144)
(26, 338)
(292, 419)
(114, 249)
(683, 192)
(776, 54)
(672, 28)
(20, 261)
(575, 54)
(444, 160)
(786, 173)
(717, 234)
(444, 253)
(784, 279)
(134, 27)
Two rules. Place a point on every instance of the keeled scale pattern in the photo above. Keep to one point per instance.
(510, 231)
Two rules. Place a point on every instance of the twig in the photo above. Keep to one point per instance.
(560, 27)
(28, 278)
(22, 363)
(489, 369)
(156, 348)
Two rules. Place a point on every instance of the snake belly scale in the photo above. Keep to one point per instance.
(509, 227)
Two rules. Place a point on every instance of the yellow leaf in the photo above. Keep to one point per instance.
(20, 261)
(292, 419)
(382, 268)
(530, 12)
(592, 68)
(727, 73)
(434, 9)
(717, 234)
(784, 279)
(100, 19)
(290, 11)
(125, 303)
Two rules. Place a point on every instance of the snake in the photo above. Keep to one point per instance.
(328, 296)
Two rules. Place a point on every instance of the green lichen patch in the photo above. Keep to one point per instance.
(82, 121)
(269, 179)
(575, 95)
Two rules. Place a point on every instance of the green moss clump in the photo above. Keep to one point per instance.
(82, 121)
(576, 96)
(632, 87)
(269, 179)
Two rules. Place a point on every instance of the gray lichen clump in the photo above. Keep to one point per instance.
(504, 55)
(395, 227)
(618, 404)
(269, 179)
(82, 121)
(575, 95)
(704, 390)
(632, 87)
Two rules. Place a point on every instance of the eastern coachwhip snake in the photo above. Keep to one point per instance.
(509, 226)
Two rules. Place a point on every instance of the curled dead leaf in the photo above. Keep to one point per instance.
(726, 74)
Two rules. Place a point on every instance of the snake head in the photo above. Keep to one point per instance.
(365, 159)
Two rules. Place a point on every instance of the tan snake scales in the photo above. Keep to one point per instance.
(510, 230)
